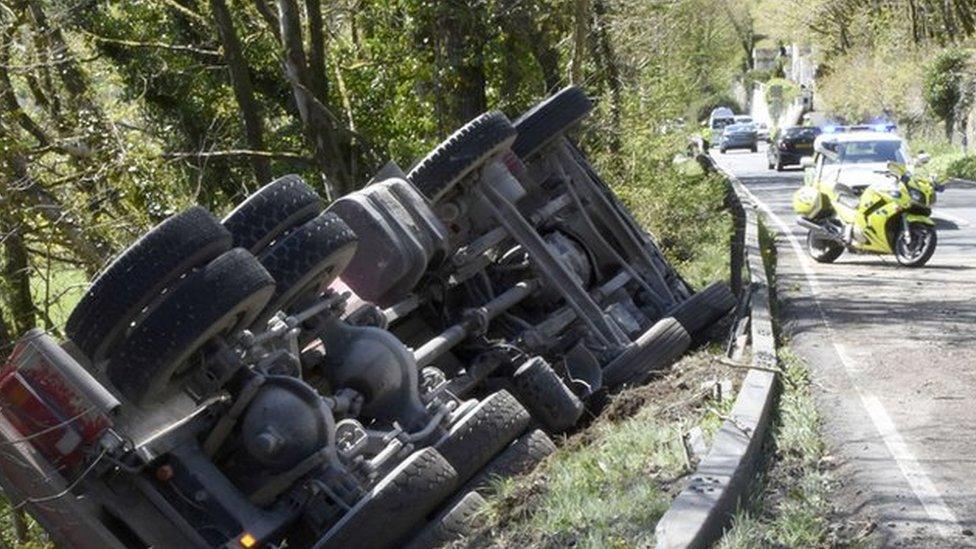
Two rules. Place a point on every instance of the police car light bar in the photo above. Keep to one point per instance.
(881, 128)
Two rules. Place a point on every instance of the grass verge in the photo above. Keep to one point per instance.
(608, 486)
(790, 508)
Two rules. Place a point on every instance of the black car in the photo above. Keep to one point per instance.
(790, 145)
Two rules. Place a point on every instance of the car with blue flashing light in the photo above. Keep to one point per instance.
(739, 136)
(857, 156)
(790, 145)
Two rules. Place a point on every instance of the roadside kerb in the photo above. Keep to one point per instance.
(703, 510)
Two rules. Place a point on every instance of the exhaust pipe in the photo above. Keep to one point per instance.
(820, 231)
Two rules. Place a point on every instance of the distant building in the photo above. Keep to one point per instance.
(800, 67)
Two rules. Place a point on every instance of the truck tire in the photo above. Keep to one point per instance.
(279, 206)
(547, 398)
(308, 258)
(705, 307)
(655, 349)
(222, 296)
(519, 458)
(461, 153)
(396, 505)
(549, 119)
(483, 433)
(136, 277)
(453, 523)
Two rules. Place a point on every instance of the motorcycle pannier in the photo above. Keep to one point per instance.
(807, 202)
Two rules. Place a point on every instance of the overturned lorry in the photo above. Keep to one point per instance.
(350, 375)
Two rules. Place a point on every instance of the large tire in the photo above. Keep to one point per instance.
(396, 505)
(657, 348)
(461, 153)
(705, 307)
(548, 399)
(519, 458)
(823, 250)
(276, 208)
(482, 433)
(452, 524)
(916, 258)
(549, 119)
(308, 258)
(137, 277)
(222, 296)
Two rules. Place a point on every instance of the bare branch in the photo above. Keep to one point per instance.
(185, 10)
(243, 153)
(153, 45)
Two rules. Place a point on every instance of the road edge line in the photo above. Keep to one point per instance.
(918, 480)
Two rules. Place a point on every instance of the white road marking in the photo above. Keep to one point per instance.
(913, 471)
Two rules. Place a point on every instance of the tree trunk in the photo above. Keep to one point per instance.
(318, 81)
(319, 130)
(522, 29)
(611, 73)
(6, 339)
(240, 80)
(465, 36)
(581, 15)
(72, 76)
(16, 275)
(548, 59)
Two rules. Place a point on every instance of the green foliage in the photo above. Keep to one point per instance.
(943, 78)
(781, 89)
(871, 82)
(792, 509)
(605, 488)
(700, 109)
(754, 76)
(962, 168)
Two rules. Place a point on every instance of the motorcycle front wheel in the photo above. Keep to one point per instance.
(823, 250)
(919, 250)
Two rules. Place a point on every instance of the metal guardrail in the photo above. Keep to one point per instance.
(703, 510)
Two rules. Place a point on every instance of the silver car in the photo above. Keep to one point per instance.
(739, 136)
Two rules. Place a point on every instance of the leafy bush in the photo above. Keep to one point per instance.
(942, 85)
(699, 110)
(790, 91)
(758, 75)
(867, 82)
(962, 168)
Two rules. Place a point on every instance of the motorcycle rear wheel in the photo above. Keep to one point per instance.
(823, 250)
(921, 248)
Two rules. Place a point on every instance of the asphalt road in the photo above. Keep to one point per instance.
(892, 352)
